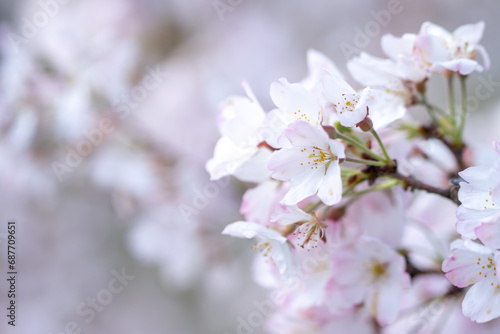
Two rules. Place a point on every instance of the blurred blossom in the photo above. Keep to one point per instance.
(107, 118)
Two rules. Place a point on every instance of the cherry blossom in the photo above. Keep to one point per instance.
(340, 222)
(240, 120)
(310, 229)
(480, 197)
(369, 271)
(453, 51)
(475, 264)
(269, 242)
(352, 107)
(310, 163)
(392, 93)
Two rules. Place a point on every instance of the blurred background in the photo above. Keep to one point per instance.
(107, 116)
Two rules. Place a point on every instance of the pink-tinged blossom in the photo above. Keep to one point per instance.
(409, 63)
(489, 234)
(474, 264)
(270, 242)
(293, 103)
(310, 163)
(453, 51)
(318, 66)
(352, 107)
(480, 197)
(391, 91)
(310, 230)
(260, 202)
(372, 273)
(383, 215)
(240, 121)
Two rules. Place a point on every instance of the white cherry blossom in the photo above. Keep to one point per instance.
(454, 51)
(474, 264)
(372, 273)
(352, 107)
(240, 121)
(310, 163)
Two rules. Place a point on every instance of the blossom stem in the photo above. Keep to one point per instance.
(365, 162)
(361, 147)
(382, 147)
(411, 182)
(442, 122)
(463, 87)
(425, 103)
(451, 101)
(313, 206)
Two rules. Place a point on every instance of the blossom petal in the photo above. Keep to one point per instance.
(304, 185)
(482, 302)
(489, 234)
(249, 230)
(330, 190)
(296, 101)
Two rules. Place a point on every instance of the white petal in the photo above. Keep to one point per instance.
(304, 185)
(334, 86)
(255, 169)
(302, 134)
(482, 302)
(228, 158)
(330, 190)
(296, 101)
(489, 234)
(289, 214)
(286, 163)
(249, 230)
(469, 33)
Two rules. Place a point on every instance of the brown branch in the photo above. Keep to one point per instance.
(412, 183)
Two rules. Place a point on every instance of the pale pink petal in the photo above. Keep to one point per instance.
(258, 203)
(302, 134)
(334, 86)
(384, 303)
(296, 101)
(465, 265)
(228, 158)
(489, 234)
(317, 62)
(395, 46)
(469, 219)
(289, 214)
(249, 230)
(482, 302)
(463, 66)
(255, 168)
(330, 190)
(304, 185)
(469, 33)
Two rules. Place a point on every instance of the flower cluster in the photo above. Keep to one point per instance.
(331, 214)
(472, 263)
